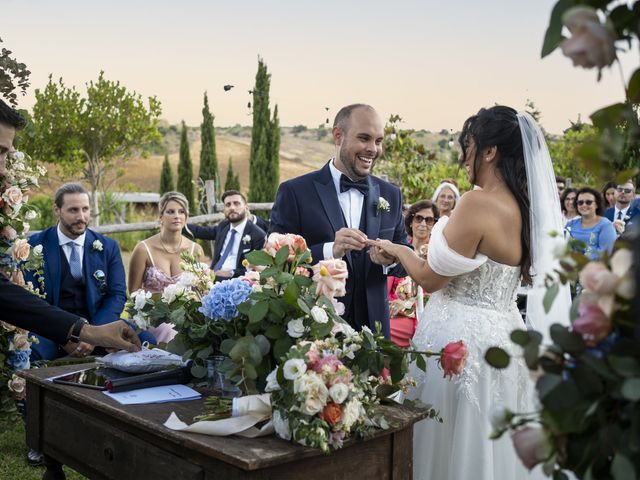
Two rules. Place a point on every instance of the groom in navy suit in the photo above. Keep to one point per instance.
(83, 272)
(337, 208)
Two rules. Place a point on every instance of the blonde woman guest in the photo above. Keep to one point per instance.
(446, 197)
(155, 262)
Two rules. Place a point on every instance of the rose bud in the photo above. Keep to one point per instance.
(453, 358)
(532, 446)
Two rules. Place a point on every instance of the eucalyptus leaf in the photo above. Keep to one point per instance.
(250, 371)
(303, 306)
(259, 257)
(631, 389)
(205, 352)
(622, 468)
(625, 366)
(198, 371)
(549, 296)
(226, 345)
(569, 341)
(264, 344)
(497, 357)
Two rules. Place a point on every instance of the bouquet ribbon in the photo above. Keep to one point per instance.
(246, 412)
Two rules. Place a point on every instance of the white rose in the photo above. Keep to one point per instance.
(37, 249)
(500, 416)
(25, 228)
(172, 291)
(281, 425)
(315, 392)
(295, 328)
(319, 315)
(97, 245)
(30, 214)
(187, 279)
(140, 321)
(140, 298)
(18, 155)
(272, 382)
(294, 368)
(339, 392)
(351, 413)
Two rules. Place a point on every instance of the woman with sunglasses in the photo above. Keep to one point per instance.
(404, 294)
(595, 231)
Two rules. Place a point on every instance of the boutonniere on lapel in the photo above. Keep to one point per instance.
(246, 239)
(626, 218)
(101, 278)
(96, 246)
(382, 206)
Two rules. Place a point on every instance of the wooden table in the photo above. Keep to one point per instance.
(102, 439)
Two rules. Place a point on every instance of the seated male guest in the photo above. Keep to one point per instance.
(82, 274)
(233, 238)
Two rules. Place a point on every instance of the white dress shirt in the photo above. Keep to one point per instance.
(230, 262)
(617, 211)
(350, 202)
(64, 240)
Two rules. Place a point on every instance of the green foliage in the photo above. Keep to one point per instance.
(208, 157)
(410, 165)
(264, 160)
(233, 179)
(563, 151)
(91, 137)
(45, 218)
(185, 170)
(13, 76)
(166, 176)
(296, 129)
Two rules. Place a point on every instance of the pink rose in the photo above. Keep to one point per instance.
(303, 271)
(595, 277)
(8, 233)
(591, 43)
(20, 250)
(298, 243)
(330, 277)
(453, 358)
(13, 195)
(592, 323)
(532, 446)
(331, 362)
(17, 385)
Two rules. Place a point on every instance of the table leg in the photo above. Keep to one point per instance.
(53, 469)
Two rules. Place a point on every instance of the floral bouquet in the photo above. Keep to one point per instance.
(588, 381)
(16, 255)
(405, 300)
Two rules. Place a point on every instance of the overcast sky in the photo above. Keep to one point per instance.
(433, 63)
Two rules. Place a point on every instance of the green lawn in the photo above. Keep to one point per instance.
(13, 454)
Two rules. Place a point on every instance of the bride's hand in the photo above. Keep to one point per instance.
(384, 248)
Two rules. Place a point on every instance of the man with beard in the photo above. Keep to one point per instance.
(82, 274)
(337, 208)
(234, 237)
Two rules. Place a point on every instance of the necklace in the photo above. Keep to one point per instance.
(169, 251)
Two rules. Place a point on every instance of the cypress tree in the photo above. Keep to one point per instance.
(208, 157)
(233, 179)
(272, 172)
(166, 177)
(185, 170)
(258, 160)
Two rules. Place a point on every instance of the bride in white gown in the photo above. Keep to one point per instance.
(477, 259)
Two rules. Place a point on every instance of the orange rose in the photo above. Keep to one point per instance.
(331, 277)
(331, 413)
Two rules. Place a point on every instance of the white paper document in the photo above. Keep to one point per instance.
(165, 393)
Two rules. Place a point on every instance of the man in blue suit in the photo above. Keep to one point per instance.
(337, 208)
(626, 209)
(83, 272)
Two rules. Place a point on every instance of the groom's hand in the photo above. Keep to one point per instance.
(380, 257)
(348, 239)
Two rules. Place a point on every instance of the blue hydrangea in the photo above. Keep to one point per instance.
(223, 299)
(18, 359)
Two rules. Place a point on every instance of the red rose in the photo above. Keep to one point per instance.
(453, 358)
(331, 413)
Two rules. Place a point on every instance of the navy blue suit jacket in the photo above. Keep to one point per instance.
(219, 232)
(104, 303)
(633, 214)
(308, 206)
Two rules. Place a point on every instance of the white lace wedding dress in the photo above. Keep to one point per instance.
(477, 306)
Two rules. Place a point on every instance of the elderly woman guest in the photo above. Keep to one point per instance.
(609, 194)
(155, 262)
(591, 228)
(446, 197)
(567, 204)
(404, 296)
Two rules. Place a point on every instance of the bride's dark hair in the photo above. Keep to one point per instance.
(499, 126)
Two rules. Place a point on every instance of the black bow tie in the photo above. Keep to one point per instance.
(346, 183)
